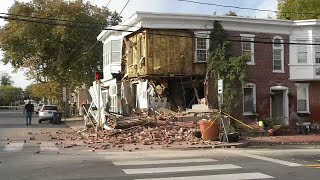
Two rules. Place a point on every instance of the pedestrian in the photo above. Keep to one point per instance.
(28, 110)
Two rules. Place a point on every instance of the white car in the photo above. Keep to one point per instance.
(46, 112)
(38, 108)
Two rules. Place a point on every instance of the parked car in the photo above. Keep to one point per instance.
(38, 108)
(46, 112)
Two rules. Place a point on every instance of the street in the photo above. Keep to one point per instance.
(44, 158)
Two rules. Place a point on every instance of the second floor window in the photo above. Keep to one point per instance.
(202, 47)
(112, 52)
(302, 52)
(248, 46)
(278, 59)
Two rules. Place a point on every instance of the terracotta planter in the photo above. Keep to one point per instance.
(209, 130)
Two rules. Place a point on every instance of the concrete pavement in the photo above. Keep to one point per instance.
(163, 165)
(19, 160)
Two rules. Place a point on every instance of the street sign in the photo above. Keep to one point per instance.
(64, 94)
(220, 86)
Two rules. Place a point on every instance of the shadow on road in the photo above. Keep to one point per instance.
(44, 125)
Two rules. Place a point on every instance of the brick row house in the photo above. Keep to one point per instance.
(159, 60)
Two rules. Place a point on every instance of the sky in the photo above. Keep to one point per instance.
(165, 6)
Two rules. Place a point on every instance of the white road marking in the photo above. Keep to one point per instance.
(48, 146)
(171, 161)
(13, 147)
(239, 176)
(277, 161)
(180, 169)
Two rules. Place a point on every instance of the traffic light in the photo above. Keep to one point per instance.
(99, 75)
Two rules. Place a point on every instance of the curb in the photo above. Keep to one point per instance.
(281, 143)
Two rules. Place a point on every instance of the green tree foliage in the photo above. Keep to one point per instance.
(5, 79)
(299, 9)
(10, 95)
(27, 93)
(62, 53)
(222, 65)
(50, 91)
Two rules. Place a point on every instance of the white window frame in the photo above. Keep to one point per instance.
(114, 50)
(253, 86)
(248, 37)
(282, 55)
(104, 55)
(302, 47)
(109, 50)
(113, 98)
(317, 51)
(201, 35)
(108, 53)
(303, 85)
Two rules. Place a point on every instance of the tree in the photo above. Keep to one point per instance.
(50, 91)
(299, 9)
(5, 79)
(231, 13)
(222, 65)
(10, 95)
(56, 40)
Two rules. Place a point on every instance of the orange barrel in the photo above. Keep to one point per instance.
(209, 129)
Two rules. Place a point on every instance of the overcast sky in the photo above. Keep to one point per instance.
(172, 6)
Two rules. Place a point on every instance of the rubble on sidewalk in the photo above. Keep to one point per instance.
(152, 131)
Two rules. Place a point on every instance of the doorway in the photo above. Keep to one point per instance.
(279, 104)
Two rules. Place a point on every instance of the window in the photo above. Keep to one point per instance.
(116, 51)
(302, 52)
(317, 51)
(248, 46)
(202, 47)
(278, 57)
(113, 98)
(303, 98)
(249, 99)
(113, 52)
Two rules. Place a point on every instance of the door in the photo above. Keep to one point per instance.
(277, 104)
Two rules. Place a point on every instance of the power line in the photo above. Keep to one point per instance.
(98, 25)
(82, 55)
(160, 34)
(245, 8)
(124, 7)
(108, 3)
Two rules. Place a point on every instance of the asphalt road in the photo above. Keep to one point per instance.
(19, 162)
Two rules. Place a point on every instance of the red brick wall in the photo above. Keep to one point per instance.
(261, 73)
(314, 101)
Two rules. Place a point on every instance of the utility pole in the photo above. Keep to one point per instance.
(98, 83)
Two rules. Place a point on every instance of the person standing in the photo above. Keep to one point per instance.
(28, 109)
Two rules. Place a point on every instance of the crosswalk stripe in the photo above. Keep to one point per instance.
(277, 161)
(180, 169)
(239, 176)
(48, 146)
(171, 161)
(13, 147)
